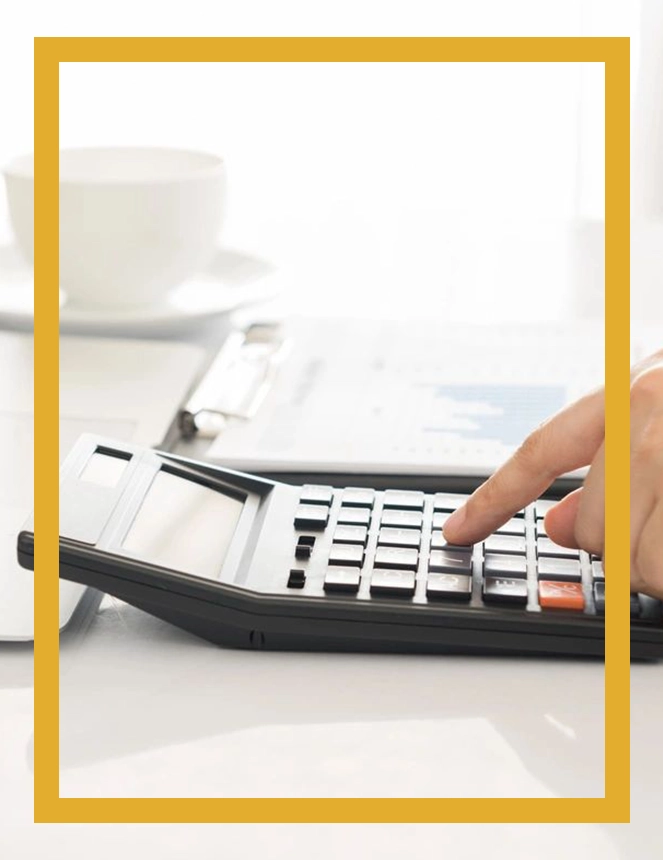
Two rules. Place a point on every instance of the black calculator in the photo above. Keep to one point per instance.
(249, 562)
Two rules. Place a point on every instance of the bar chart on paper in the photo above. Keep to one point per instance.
(503, 413)
(411, 398)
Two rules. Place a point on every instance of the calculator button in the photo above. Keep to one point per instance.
(599, 598)
(311, 517)
(448, 501)
(405, 559)
(345, 579)
(351, 534)
(542, 506)
(541, 529)
(514, 526)
(598, 574)
(559, 569)
(561, 595)
(449, 586)
(402, 519)
(449, 561)
(354, 516)
(399, 537)
(346, 555)
(303, 551)
(438, 541)
(504, 565)
(501, 590)
(358, 497)
(650, 609)
(314, 494)
(407, 499)
(511, 544)
(296, 579)
(635, 606)
(399, 583)
(545, 547)
(440, 519)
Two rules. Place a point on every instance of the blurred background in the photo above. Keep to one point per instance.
(373, 190)
(465, 191)
(379, 188)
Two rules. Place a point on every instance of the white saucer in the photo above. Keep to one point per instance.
(232, 280)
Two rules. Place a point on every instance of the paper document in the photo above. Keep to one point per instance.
(410, 398)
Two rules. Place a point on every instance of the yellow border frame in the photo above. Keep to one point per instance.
(49, 53)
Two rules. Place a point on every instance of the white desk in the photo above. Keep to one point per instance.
(150, 711)
(221, 723)
(172, 715)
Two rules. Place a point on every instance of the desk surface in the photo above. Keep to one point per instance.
(224, 723)
(173, 716)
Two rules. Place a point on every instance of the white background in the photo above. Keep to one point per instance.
(463, 191)
(419, 188)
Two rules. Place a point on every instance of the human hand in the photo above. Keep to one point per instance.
(570, 439)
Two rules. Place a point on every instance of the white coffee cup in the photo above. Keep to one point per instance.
(134, 221)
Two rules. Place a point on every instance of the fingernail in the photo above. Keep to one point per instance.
(455, 521)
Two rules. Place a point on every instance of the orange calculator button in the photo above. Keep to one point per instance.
(561, 595)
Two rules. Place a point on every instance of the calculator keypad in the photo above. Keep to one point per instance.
(389, 544)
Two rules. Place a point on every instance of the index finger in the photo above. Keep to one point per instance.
(565, 442)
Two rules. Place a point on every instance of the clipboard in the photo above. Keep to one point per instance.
(353, 397)
(236, 382)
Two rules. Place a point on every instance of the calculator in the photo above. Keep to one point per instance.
(249, 562)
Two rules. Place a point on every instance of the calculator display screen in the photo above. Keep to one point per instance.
(183, 525)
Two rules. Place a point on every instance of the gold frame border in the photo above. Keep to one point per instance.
(48, 54)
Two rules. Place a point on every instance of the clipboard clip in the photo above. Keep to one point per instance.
(236, 383)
